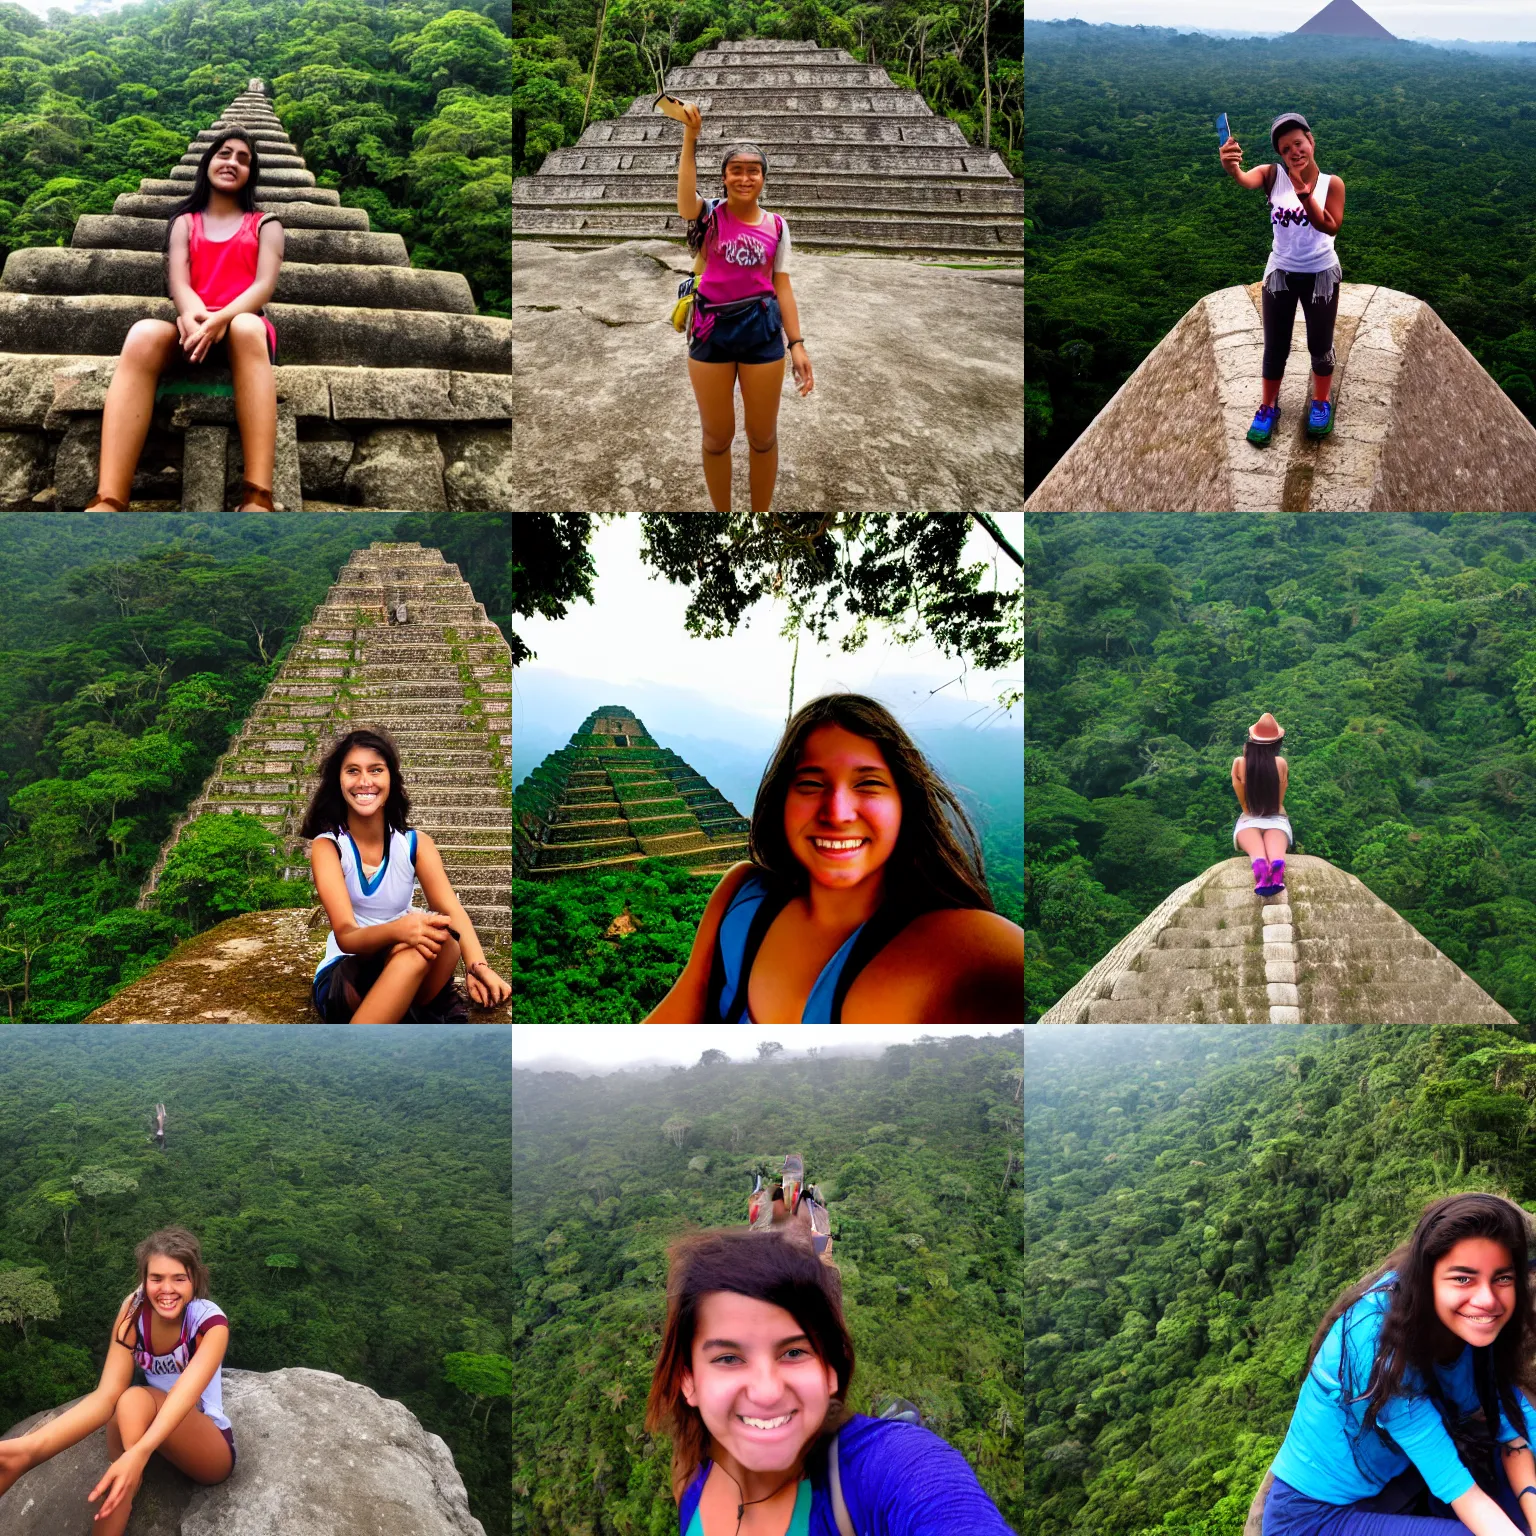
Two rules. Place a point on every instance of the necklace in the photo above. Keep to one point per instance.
(744, 1504)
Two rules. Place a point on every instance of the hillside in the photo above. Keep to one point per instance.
(912, 1149)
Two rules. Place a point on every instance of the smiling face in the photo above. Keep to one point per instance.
(364, 781)
(168, 1286)
(230, 167)
(842, 813)
(756, 1381)
(744, 177)
(1475, 1289)
(1295, 148)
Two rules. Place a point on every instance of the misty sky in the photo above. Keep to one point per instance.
(1487, 21)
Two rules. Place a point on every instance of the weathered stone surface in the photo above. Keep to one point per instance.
(75, 463)
(606, 418)
(27, 386)
(296, 216)
(202, 474)
(317, 1455)
(402, 466)
(477, 468)
(275, 195)
(323, 464)
(23, 468)
(1419, 426)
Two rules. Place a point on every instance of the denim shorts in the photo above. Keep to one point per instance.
(755, 335)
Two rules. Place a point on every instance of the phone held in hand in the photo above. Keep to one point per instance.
(1223, 133)
(671, 106)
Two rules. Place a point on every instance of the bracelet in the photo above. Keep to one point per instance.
(799, 341)
(1527, 1489)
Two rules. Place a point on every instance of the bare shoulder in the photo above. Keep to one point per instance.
(1237, 766)
(968, 932)
(956, 965)
(1280, 762)
(720, 898)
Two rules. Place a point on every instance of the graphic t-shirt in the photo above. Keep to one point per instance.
(740, 259)
(162, 1371)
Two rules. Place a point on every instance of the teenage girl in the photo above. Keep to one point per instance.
(744, 312)
(1416, 1393)
(161, 1388)
(385, 963)
(222, 262)
(865, 901)
(1263, 830)
(752, 1390)
(1306, 209)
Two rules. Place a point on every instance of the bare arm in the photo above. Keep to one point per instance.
(1520, 1469)
(685, 1003)
(688, 200)
(486, 988)
(1232, 164)
(1237, 783)
(1481, 1515)
(787, 306)
(1329, 217)
(179, 270)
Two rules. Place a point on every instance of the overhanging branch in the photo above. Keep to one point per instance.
(990, 525)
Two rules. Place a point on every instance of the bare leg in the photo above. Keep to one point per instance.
(1251, 841)
(1322, 383)
(714, 387)
(1272, 391)
(1274, 844)
(255, 397)
(762, 386)
(439, 972)
(391, 994)
(130, 403)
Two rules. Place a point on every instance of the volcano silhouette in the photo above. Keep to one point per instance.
(1343, 18)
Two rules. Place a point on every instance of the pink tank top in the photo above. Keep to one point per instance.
(223, 269)
(738, 258)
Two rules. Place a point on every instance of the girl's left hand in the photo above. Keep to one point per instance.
(200, 338)
(800, 361)
(486, 988)
(120, 1481)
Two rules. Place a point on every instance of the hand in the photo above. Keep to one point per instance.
(693, 119)
(120, 1481)
(800, 362)
(425, 931)
(1231, 157)
(486, 988)
(200, 335)
(15, 1459)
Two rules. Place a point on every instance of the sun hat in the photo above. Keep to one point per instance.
(1287, 119)
(1265, 730)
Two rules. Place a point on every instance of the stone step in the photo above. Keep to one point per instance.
(728, 102)
(769, 129)
(1384, 949)
(269, 141)
(747, 52)
(270, 193)
(1188, 957)
(1179, 938)
(325, 241)
(687, 78)
(1237, 984)
(1460, 1001)
(1195, 1008)
(65, 270)
(269, 162)
(377, 338)
(906, 160)
(791, 197)
(282, 176)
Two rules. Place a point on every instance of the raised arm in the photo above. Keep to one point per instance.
(688, 200)
(1232, 164)
(686, 1001)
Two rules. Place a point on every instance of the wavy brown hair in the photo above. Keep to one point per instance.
(1261, 777)
(171, 1243)
(937, 861)
(778, 1266)
(327, 810)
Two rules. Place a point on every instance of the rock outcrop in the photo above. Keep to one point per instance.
(315, 1455)
(392, 391)
(1327, 950)
(1419, 425)
(854, 161)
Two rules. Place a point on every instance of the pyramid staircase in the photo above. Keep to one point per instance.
(392, 392)
(1327, 950)
(854, 162)
(612, 797)
(439, 684)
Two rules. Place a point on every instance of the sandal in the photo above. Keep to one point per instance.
(250, 493)
(106, 504)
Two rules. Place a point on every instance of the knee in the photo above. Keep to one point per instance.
(135, 1412)
(715, 442)
(247, 331)
(763, 442)
(145, 341)
(409, 957)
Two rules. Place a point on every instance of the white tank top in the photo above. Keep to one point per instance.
(1299, 246)
(384, 897)
(162, 1371)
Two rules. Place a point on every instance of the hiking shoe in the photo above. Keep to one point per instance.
(794, 1181)
(1263, 427)
(1319, 419)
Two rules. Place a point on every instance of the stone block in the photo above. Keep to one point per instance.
(323, 464)
(23, 469)
(203, 469)
(398, 468)
(269, 178)
(477, 468)
(1279, 1014)
(75, 464)
(153, 187)
(138, 224)
(27, 386)
(305, 389)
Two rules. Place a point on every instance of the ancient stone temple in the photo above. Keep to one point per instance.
(854, 161)
(399, 644)
(392, 392)
(1327, 950)
(612, 797)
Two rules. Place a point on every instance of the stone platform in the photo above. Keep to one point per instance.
(392, 391)
(854, 162)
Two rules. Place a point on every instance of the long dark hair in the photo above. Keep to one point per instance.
(1412, 1334)
(778, 1266)
(937, 861)
(172, 1243)
(328, 807)
(1261, 777)
(202, 188)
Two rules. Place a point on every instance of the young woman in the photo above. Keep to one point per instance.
(161, 1388)
(744, 312)
(1416, 1393)
(865, 901)
(222, 262)
(1263, 830)
(752, 1389)
(1306, 209)
(385, 963)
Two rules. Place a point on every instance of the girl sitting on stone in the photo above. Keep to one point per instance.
(222, 262)
(1263, 830)
(865, 901)
(385, 963)
(744, 311)
(161, 1388)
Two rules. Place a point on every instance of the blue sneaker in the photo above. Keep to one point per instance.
(1319, 419)
(1263, 427)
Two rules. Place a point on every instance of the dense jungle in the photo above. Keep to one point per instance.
(131, 649)
(1130, 220)
(403, 108)
(1399, 655)
(350, 1189)
(916, 1150)
(1195, 1198)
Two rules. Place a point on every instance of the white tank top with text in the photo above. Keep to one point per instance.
(1299, 245)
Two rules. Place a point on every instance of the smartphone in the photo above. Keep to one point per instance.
(1223, 133)
(671, 106)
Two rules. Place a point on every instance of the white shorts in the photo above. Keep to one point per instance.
(1263, 824)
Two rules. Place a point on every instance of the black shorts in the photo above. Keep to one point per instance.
(341, 987)
(752, 335)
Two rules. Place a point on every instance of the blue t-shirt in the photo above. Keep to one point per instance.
(1325, 1455)
(898, 1480)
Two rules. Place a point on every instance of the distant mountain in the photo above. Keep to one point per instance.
(1343, 18)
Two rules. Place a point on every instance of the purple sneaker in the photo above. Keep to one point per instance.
(1260, 876)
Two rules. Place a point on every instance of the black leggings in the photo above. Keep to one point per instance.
(1280, 320)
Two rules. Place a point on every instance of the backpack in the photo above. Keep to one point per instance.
(899, 1410)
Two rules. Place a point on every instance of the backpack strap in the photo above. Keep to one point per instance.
(839, 1503)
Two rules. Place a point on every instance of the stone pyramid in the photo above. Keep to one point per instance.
(1343, 18)
(1419, 426)
(612, 797)
(439, 682)
(1326, 950)
(392, 392)
(854, 162)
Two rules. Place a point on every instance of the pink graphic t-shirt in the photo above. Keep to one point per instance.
(740, 259)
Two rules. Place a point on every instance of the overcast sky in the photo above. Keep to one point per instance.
(608, 1047)
(1487, 21)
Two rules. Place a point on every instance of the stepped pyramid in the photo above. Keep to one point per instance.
(1419, 426)
(854, 162)
(439, 683)
(613, 797)
(392, 392)
(1326, 950)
